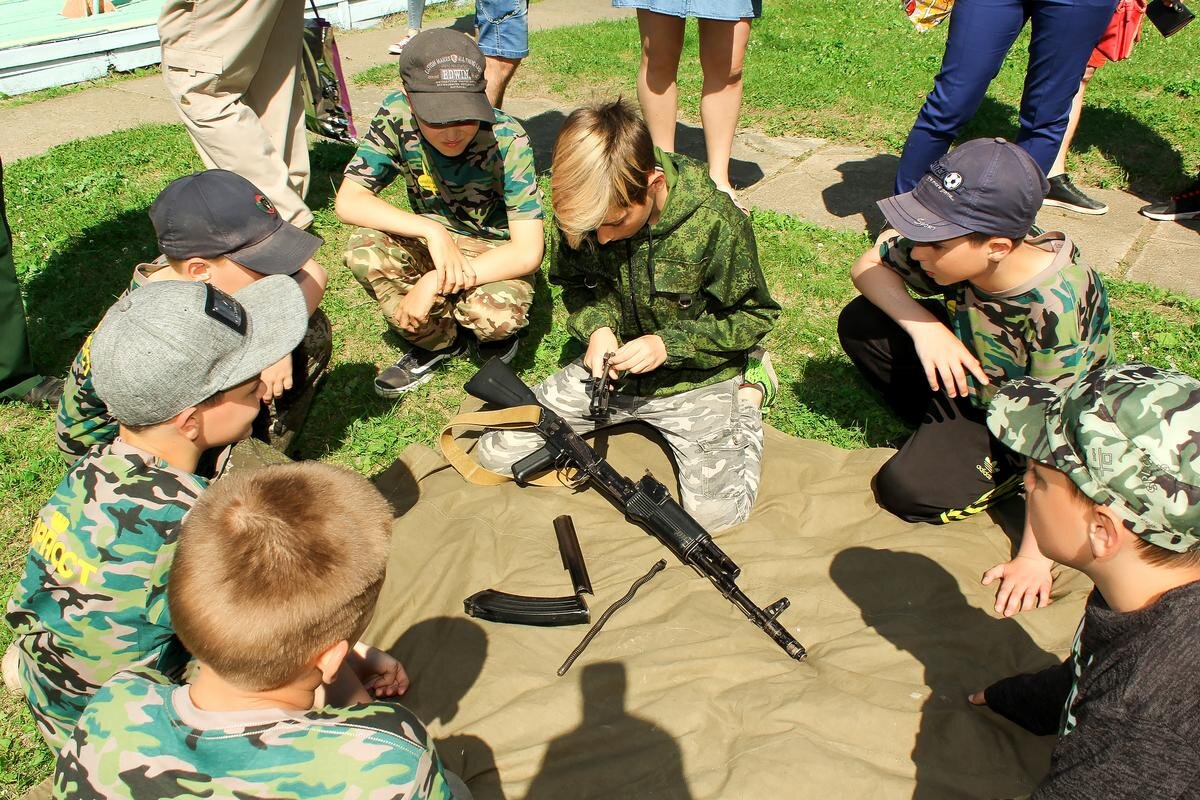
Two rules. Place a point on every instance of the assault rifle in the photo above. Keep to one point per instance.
(646, 502)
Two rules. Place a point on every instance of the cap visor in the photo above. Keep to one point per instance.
(277, 318)
(284, 252)
(917, 223)
(444, 107)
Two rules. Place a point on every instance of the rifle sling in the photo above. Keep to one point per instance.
(513, 418)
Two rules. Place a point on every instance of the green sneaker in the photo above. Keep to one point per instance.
(760, 374)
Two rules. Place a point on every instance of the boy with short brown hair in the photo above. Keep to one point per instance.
(276, 575)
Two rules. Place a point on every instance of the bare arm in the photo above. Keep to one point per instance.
(312, 278)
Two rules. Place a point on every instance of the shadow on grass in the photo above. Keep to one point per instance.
(328, 160)
(898, 594)
(541, 319)
(831, 386)
(346, 395)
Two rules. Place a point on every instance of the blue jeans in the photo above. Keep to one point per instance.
(1064, 32)
(504, 27)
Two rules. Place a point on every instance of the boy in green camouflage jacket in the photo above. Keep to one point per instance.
(1009, 306)
(178, 364)
(276, 572)
(1113, 490)
(660, 269)
(457, 266)
(216, 227)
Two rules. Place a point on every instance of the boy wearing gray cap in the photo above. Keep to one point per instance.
(1113, 490)
(456, 267)
(177, 363)
(216, 227)
(997, 305)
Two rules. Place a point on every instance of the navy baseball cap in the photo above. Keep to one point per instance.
(220, 213)
(987, 186)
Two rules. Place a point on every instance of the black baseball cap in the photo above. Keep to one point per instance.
(442, 72)
(987, 186)
(220, 213)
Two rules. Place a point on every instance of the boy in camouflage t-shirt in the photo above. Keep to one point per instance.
(213, 227)
(277, 708)
(457, 266)
(1010, 307)
(178, 364)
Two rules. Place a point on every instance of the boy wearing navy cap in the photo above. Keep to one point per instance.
(216, 227)
(997, 305)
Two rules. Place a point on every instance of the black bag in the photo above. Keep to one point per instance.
(326, 99)
(1168, 19)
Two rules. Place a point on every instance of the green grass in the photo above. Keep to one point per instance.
(113, 77)
(857, 72)
(78, 214)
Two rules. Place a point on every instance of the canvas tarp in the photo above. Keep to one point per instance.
(680, 696)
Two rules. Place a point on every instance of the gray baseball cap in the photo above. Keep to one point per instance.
(987, 186)
(442, 73)
(169, 345)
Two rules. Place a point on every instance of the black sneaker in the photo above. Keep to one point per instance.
(1185, 205)
(46, 392)
(504, 349)
(414, 369)
(1065, 194)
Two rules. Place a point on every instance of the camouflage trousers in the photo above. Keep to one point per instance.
(716, 439)
(389, 266)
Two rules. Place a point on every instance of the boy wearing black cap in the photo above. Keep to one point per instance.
(1009, 307)
(216, 227)
(463, 256)
(177, 363)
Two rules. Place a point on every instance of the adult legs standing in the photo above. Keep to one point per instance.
(502, 28)
(658, 92)
(722, 54)
(232, 69)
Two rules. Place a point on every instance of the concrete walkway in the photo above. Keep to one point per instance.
(827, 183)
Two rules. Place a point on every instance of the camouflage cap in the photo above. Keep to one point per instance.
(1128, 436)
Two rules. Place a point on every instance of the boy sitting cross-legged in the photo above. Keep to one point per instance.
(178, 365)
(1113, 490)
(999, 305)
(659, 268)
(457, 266)
(275, 576)
(215, 227)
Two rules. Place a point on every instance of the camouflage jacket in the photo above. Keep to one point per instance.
(92, 598)
(475, 193)
(1055, 327)
(142, 738)
(83, 420)
(693, 278)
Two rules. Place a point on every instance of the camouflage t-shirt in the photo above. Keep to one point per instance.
(92, 600)
(1054, 327)
(143, 738)
(475, 193)
(83, 420)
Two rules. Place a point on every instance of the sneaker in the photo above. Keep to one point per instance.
(398, 47)
(12, 670)
(1185, 205)
(414, 369)
(46, 392)
(761, 375)
(504, 349)
(1065, 194)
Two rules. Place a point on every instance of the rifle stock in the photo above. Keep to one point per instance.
(646, 502)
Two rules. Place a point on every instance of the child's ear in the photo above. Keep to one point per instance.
(187, 422)
(1106, 532)
(329, 660)
(656, 178)
(197, 269)
(998, 248)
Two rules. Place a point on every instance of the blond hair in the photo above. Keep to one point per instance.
(276, 564)
(602, 161)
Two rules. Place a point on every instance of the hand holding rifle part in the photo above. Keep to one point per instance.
(598, 389)
(646, 502)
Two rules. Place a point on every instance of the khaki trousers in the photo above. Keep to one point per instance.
(232, 68)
